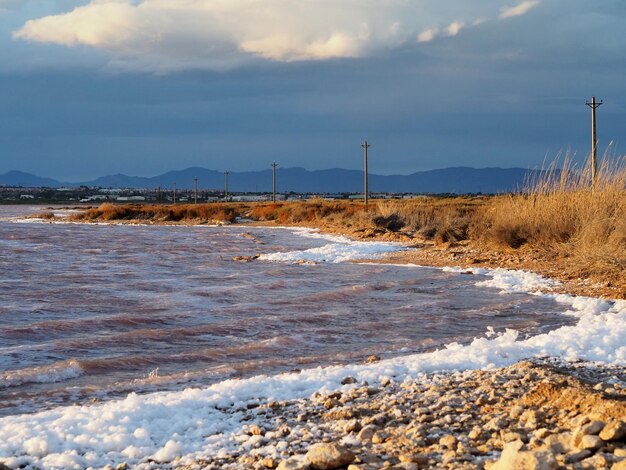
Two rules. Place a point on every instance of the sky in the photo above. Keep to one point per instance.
(96, 87)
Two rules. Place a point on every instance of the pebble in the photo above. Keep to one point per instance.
(328, 456)
(367, 433)
(594, 427)
(590, 442)
(614, 431)
(448, 441)
(432, 422)
(294, 463)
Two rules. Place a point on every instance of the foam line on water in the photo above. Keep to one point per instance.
(196, 423)
(339, 250)
(56, 372)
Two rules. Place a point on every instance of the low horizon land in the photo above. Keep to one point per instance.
(458, 180)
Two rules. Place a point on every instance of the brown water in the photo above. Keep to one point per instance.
(94, 311)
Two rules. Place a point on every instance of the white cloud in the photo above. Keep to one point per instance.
(166, 35)
(427, 35)
(454, 28)
(518, 10)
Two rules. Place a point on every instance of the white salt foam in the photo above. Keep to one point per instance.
(341, 249)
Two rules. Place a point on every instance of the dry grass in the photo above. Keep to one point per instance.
(340, 213)
(561, 215)
(441, 219)
(161, 213)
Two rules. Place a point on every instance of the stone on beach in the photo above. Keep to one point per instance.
(614, 431)
(514, 458)
(328, 456)
(294, 463)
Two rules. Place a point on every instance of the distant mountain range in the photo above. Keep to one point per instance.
(459, 180)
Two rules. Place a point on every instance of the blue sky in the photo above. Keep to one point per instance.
(144, 86)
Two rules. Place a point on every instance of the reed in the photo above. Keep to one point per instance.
(339, 213)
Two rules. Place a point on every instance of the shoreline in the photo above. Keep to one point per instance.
(468, 419)
(433, 252)
(467, 254)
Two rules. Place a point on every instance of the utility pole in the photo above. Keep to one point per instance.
(159, 194)
(174, 193)
(594, 140)
(195, 192)
(274, 165)
(365, 190)
(226, 173)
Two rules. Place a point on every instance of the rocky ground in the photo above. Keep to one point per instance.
(538, 414)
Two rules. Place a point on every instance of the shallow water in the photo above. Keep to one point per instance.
(90, 312)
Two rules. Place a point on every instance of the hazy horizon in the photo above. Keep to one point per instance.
(279, 168)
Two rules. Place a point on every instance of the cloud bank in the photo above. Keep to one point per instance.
(166, 35)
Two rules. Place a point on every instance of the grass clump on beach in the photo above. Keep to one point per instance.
(563, 215)
(161, 213)
(431, 218)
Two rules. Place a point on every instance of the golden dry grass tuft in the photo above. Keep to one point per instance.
(161, 213)
(337, 213)
(441, 219)
(562, 215)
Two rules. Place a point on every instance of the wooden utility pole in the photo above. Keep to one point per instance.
(159, 194)
(594, 139)
(174, 193)
(365, 190)
(274, 165)
(226, 173)
(195, 191)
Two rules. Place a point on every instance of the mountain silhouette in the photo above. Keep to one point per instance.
(458, 180)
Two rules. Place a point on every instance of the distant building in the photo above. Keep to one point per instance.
(96, 197)
(253, 197)
(131, 198)
(27, 196)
